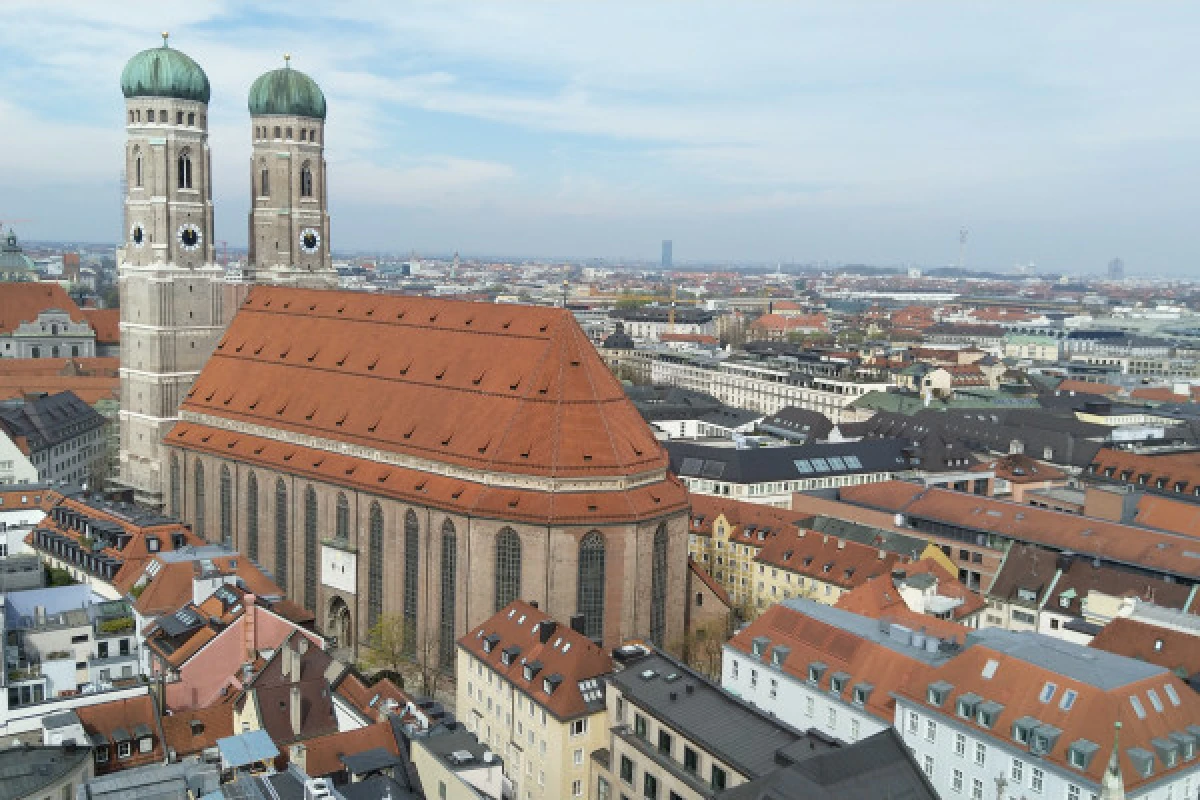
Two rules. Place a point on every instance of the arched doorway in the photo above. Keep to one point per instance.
(338, 624)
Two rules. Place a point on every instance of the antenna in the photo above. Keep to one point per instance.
(962, 247)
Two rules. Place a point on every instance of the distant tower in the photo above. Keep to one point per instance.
(171, 306)
(289, 218)
(962, 247)
(1116, 269)
(667, 247)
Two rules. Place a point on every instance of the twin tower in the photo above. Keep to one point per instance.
(175, 299)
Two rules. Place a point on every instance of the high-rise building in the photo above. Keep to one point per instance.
(289, 219)
(667, 247)
(171, 305)
(1116, 269)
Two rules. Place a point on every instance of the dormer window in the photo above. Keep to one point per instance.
(759, 645)
(490, 642)
(509, 655)
(967, 705)
(862, 693)
(532, 669)
(987, 713)
(815, 670)
(551, 682)
(837, 682)
(938, 692)
(779, 655)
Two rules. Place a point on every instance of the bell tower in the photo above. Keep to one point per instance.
(289, 218)
(171, 309)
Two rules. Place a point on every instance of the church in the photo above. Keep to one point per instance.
(417, 458)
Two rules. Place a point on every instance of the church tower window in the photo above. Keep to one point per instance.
(342, 529)
(658, 587)
(448, 588)
(252, 517)
(264, 182)
(412, 553)
(176, 482)
(185, 170)
(306, 181)
(281, 533)
(590, 592)
(199, 478)
(310, 549)
(226, 505)
(375, 567)
(508, 567)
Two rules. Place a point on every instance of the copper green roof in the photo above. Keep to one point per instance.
(164, 72)
(287, 92)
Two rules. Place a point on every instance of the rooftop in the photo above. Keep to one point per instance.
(28, 771)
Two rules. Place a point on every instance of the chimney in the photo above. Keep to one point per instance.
(547, 630)
(249, 617)
(295, 709)
(577, 622)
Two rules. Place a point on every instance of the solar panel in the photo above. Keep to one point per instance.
(820, 465)
(803, 466)
(691, 466)
(852, 462)
(836, 462)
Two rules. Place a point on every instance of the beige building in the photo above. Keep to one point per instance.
(533, 690)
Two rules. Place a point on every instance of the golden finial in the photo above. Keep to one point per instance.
(287, 60)
(165, 35)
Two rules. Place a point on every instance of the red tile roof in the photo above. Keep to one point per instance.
(498, 388)
(879, 598)
(109, 719)
(323, 754)
(564, 652)
(194, 730)
(1177, 472)
(106, 322)
(1178, 651)
(709, 581)
(22, 302)
(1165, 552)
(827, 558)
(1020, 468)
(1168, 515)
(1084, 387)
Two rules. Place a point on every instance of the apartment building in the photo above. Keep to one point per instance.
(674, 735)
(65, 438)
(996, 714)
(533, 691)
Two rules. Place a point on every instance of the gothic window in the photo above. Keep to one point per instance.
(310, 549)
(342, 531)
(176, 482)
(412, 551)
(137, 167)
(448, 587)
(658, 587)
(252, 517)
(185, 171)
(226, 505)
(306, 181)
(375, 567)
(264, 182)
(590, 593)
(508, 567)
(199, 478)
(281, 533)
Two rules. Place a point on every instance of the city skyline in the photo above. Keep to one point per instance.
(860, 134)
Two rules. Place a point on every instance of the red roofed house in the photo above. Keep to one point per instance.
(777, 327)
(552, 676)
(923, 595)
(431, 459)
(40, 320)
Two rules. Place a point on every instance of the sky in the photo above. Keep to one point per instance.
(1062, 134)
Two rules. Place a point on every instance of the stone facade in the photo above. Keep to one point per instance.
(171, 302)
(549, 555)
(289, 220)
(52, 335)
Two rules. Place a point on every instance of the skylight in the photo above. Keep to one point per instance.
(1068, 699)
(1172, 695)
(989, 669)
(1155, 700)
(1048, 692)
(803, 466)
(852, 462)
(1138, 708)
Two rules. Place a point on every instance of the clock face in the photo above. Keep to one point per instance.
(189, 236)
(310, 240)
(137, 235)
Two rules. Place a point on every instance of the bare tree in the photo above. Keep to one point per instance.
(390, 644)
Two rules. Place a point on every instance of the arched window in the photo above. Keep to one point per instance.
(252, 517)
(306, 183)
(198, 477)
(137, 167)
(185, 171)
(508, 567)
(590, 594)
(226, 505)
(412, 554)
(342, 529)
(264, 182)
(310, 549)
(281, 533)
(176, 482)
(448, 588)
(375, 567)
(658, 587)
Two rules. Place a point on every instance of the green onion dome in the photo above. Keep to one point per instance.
(164, 72)
(287, 92)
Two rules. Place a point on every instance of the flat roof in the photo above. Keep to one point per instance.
(738, 734)
(1097, 668)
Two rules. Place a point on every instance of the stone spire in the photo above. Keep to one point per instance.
(1112, 787)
